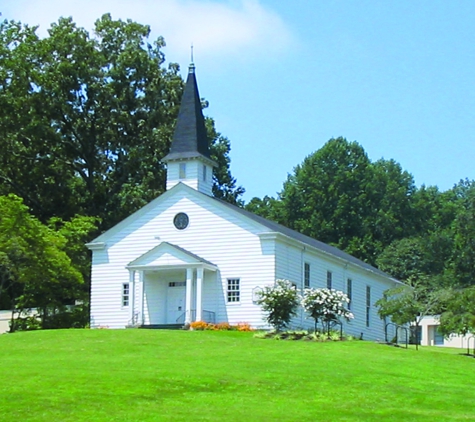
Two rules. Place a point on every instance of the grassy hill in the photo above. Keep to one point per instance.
(148, 375)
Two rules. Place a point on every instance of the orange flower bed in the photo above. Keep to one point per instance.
(221, 326)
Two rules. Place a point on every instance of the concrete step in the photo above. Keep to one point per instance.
(162, 326)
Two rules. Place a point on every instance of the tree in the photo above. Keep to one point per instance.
(408, 304)
(444, 247)
(462, 266)
(279, 302)
(392, 200)
(76, 233)
(340, 197)
(404, 259)
(326, 196)
(267, 207)
(410, 257)
(327, 306)
(91, 115)
(224, 186)
(35, 270)
(459, 315)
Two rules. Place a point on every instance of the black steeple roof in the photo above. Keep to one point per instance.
(190, 139)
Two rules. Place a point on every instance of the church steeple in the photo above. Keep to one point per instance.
(189, 160)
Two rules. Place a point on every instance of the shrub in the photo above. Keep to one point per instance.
(28, 323)
(262, 334)
(76, 317)
(279, 302)
(296, 335)
(243, 326)
(199, 325)
(326, 305)
(334, 336)
(223, 326)
(304, 335)
(53, 318)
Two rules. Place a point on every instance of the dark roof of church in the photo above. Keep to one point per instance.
(331, 250)
(190, 138)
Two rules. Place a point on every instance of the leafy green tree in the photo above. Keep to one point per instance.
(280, 303)
(435, 210)
(267, 207)
(391, 197)
(442, 249)
(225, 186)
(35, 270)
(76, 233)
(410, 257)
(459, 314)
(408, 304)
(462, 266)
(326, 196)
(91, 116)
(340, 197)
(404, 259)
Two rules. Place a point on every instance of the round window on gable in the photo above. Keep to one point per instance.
(181, 221)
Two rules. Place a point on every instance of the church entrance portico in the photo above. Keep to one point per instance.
(163, 292)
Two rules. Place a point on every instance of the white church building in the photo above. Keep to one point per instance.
(187, 256)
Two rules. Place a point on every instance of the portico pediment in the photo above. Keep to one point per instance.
(166, 256)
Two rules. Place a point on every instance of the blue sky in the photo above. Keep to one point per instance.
(282, 77)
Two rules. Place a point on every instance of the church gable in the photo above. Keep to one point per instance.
(157, 222)
(168, 255)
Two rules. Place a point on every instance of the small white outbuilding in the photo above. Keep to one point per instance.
(187, 256)
(431, 336)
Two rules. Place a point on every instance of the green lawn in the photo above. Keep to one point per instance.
(150, 375)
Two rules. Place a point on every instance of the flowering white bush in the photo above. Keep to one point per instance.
(326, 305)
(280, 303)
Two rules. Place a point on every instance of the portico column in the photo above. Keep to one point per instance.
(142, 299)
(199, 294)
(132, 297)
(189, 280)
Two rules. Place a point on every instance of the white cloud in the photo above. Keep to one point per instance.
(226, 30)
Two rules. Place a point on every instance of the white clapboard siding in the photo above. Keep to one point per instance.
(215, 234)
(290, 260)
(211, 293)
(194, 175)
(232, 246)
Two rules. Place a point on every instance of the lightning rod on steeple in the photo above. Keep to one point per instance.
(192, 64)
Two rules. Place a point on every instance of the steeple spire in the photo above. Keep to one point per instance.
(189, 160)
(190, 138)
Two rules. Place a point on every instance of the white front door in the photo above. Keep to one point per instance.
(175, 301)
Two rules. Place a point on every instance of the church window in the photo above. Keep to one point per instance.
(125, 294)
(368, 305)
(306, 279)
(329, 279)
(182, 174)
(349, 291)
(181, 221)
(233, 290)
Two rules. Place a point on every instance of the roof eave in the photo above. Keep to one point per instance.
(296, 242)
(185, 156)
